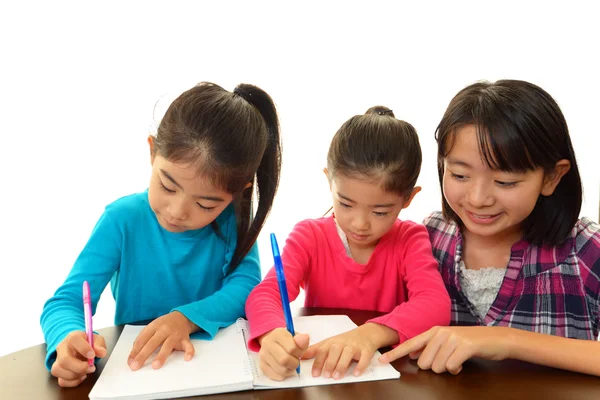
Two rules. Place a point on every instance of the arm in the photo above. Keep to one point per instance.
(444, 349)
(225, 306)
(263, 308)
(428, 302)
(555, 351)
(98, 261)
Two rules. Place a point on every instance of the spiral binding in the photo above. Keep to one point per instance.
(249, 364)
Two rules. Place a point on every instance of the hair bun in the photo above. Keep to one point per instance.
(380, 110)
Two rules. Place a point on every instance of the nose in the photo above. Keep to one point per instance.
(177, 209)
(480, 195)
(360, 223)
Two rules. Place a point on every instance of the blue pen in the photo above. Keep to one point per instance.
(285, 302)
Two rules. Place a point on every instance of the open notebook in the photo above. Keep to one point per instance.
(221, 365)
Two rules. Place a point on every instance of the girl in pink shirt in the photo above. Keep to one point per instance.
(361, 257)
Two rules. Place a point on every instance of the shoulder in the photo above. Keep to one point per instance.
(586, 234)
(440, 230)
(313, 228)
(128, 206)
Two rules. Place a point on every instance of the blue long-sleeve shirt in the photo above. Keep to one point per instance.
(153, 272)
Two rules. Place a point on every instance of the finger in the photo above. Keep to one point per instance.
(70, 382)
(281, 361)
(457, 359)
(73, 364)
(363, 362)
(188, 350)
(430, 351)
(270, 372)
(440, 359)
(415, 355)
(415, 344)
(149, 348)
(311, 352)
(281, 370)
(302, 341)
(165, 350)
(319, 353)
(79, 345)
(289, 347)
(335, 352)
(99, 346)
(145, 335)
(344, 362)
(63, 373)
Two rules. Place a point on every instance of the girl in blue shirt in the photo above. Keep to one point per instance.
(182, 253)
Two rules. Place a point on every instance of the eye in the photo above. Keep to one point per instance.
(165, 188)
(344, 205)
(458, 177)
(506, 184)
(207, 209)
(380, 214)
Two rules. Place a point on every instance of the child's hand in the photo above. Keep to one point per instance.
(333, 356)
(444, 349)
(169, 332)
(280, 353)
(72, 354)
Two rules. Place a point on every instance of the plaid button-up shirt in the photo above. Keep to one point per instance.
(547, 290)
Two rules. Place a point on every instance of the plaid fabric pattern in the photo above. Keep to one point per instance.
(547, 290)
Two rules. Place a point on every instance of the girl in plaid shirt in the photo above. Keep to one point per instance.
(522, 271)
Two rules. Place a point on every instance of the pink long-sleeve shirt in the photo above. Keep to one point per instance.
(401, 279)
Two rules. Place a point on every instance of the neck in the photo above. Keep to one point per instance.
(505, 239)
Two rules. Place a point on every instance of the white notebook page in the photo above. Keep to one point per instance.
(218, 366)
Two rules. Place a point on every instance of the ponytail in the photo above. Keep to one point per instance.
(266, 178)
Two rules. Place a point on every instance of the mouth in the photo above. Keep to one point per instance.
(357, 237)
(483, 218)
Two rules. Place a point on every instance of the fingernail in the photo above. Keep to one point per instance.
(82, 378)
(91, 369)
(314, 374)
(89, 354)
(129, 361)
(327, 374)
(135, 365)
(337, 375)
(356, 372)
(156, 364)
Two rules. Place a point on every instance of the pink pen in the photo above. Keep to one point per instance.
(87, 311)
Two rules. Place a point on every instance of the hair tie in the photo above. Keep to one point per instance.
(243, 94)
(384, 112)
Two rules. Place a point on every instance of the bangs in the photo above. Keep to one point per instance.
(502, 149)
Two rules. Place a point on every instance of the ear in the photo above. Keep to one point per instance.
(152, 151)
(410, 198)
(326, 172)
(552, 178)
(248, 185)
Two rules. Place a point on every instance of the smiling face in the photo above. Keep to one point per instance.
(490, 203)
(363, 210)
(181, 198)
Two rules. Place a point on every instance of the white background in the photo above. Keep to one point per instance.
(79, 84)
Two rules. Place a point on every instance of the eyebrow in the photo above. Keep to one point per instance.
(169, 177)
(373, 206)
(454, 161)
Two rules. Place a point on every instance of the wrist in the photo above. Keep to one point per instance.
(511, 342)
(380, 335)
(190, 326)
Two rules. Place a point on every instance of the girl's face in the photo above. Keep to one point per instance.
(181, 199)
(363, 210)
(490, 203)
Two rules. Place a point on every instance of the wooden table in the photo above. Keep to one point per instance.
(23, 376)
